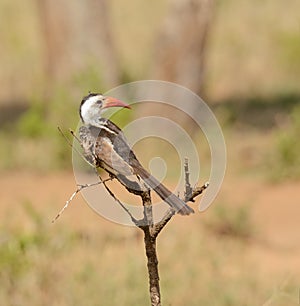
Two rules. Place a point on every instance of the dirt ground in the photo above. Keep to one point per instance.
(275, 212)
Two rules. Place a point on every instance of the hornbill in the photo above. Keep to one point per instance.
(105, 146)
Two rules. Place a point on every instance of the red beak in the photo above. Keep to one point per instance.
(113, 102)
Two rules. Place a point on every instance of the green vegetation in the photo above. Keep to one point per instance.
(231, 222)
(32, 123)
(252, 84)
(284, 162)
(69, 266)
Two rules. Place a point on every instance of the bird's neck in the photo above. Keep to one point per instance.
(105, 125)
(95, 122)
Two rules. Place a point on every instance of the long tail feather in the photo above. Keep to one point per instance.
(165, 194)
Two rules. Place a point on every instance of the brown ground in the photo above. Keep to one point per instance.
(275, 211)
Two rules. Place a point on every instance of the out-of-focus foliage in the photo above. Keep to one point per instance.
(284, 158)
(70, 267)
(252, 70)
(33, 140)
(253, 46)
(252, 75)
(253, 49)
(33, 122)
(231, 222)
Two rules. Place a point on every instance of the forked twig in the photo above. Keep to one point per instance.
(81, 187)
(147, 225)
(189, 196)
(151, 232)
(197, 191)
(134, 220)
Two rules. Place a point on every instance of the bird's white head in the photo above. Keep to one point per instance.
(92, 106)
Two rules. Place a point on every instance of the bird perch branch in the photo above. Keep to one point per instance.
(151, 232)
(147, 225)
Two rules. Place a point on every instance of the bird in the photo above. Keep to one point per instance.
(105, 146)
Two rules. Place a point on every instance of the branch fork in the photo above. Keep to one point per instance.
(151, 230)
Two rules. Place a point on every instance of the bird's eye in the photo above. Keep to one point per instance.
(99, 102)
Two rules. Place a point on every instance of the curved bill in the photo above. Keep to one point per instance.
(113, 102)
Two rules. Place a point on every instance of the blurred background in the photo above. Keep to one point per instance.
(243, 58)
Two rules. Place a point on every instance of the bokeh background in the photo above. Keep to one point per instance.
(243, 58)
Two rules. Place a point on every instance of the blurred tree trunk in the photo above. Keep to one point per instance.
(77, 35)
(180, 55)
(181, 47)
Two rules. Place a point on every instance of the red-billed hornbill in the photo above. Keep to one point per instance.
(106, 146)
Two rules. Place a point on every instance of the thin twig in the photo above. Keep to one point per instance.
(151, 232)
(134, 220)
(147, 225)
(196, 192)
(81, 187)
(75, 136)
(188, 188)
(69, 142)
(157, 228)
(171, 212)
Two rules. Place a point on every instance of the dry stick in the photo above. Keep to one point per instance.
(69, 142)
(150, 247)
(72, 197)
(196, 192)
(150, 229)
(171, 212)
(80, 187)
(157, 228)
(134, 220)
(152, 265)
(151, 232)
(188, 189)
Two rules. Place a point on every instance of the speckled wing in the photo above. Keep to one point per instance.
(110, 159)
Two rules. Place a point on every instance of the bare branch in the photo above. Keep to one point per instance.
(189, 195)
(157, 228)
(151, 230)
(73, 196)
(150, 248)
(75, 136)
(161, 224)
(188, 188)
(134, 220)
(196, 192)
(69, 142)
(152, 265)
